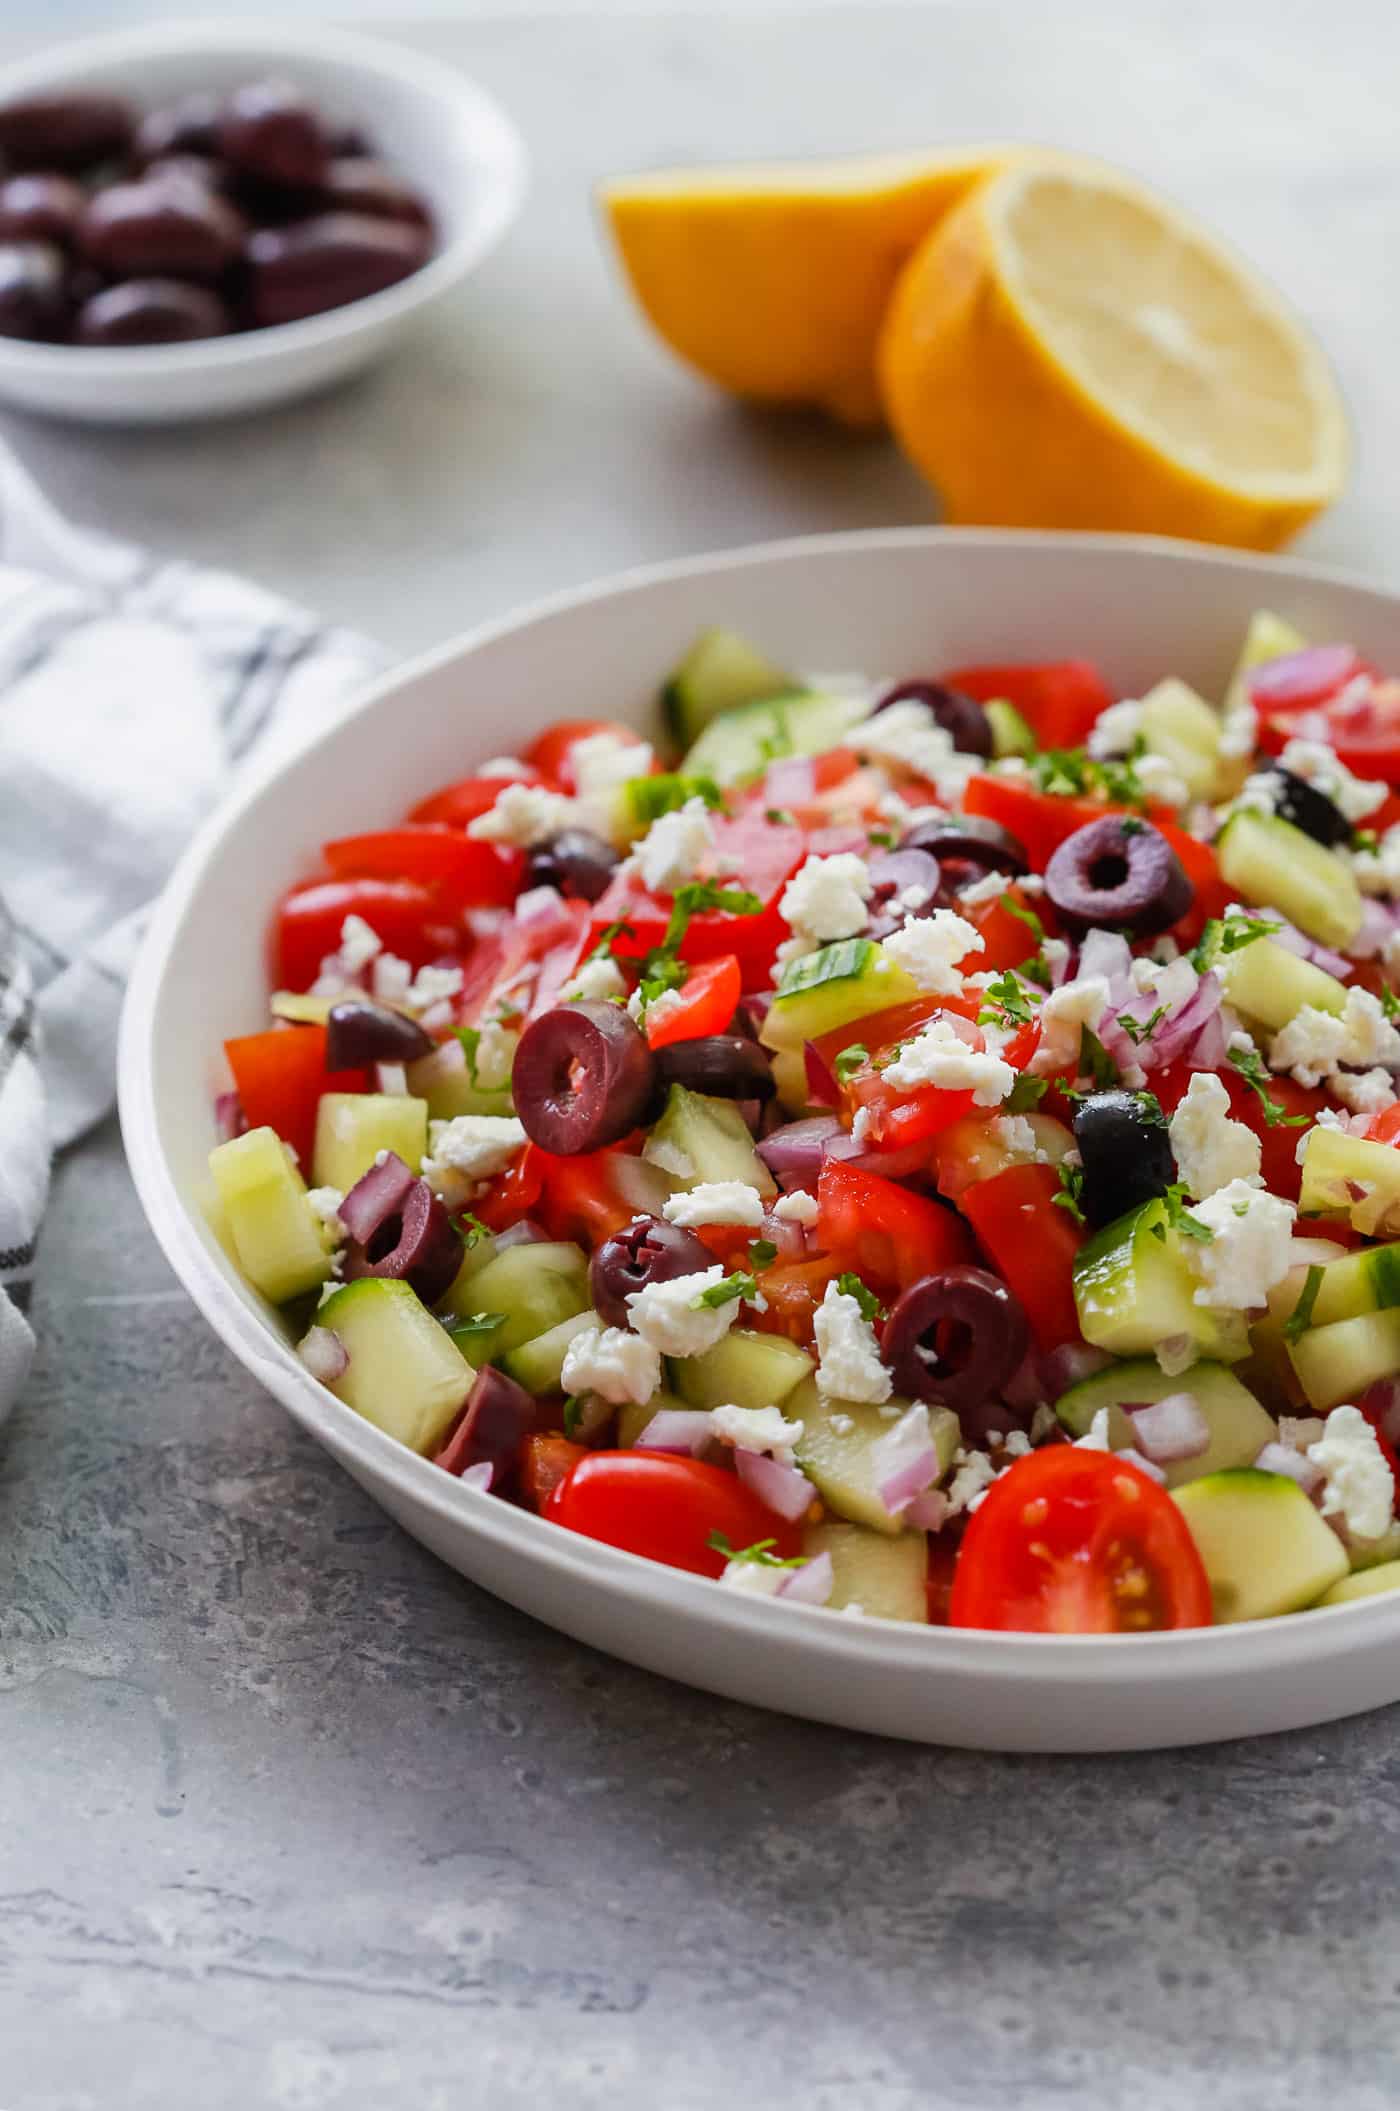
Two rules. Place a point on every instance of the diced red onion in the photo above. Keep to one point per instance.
(785, 1235)
(1305, 677)
(812, 1584)
(799, 1146)
(1295, 941)
(1282, 1458)
(479, 1476)
(928, 1512)
(905, 1461)
(525, 1233)
(1170, 1428)
(1174, 1034)
(229, 1118)
(375, 1196)
(324, 1354)
(391, 1078)
(1379, 923)
(894, 1165)
(1211, 1046)
(680, 1429)
(1130, 1457)
(1069, 1364)
(779, 1487)
(831, 842)
(558, 967)
(791, 781)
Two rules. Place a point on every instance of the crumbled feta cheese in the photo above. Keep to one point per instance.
(827, 898)
(1318, 766)
(494, 1057)
(1063, 1016)
(602, 761)
(913, 899)
(614, 1364)
(1095, 1437)
(755, 1577)
(325, 1204)
(842, 1425)
(596, 981)
(660, 1008)
(938, 1055)
(1210, 1149)
(675, 846)
(1115, 729)
(849, 1366)
(1300, 1432)
(1161, 783)
(1055, 953)
(358, 945)
(392, 978)
(797, 1208)
(1378, 871)
(1313, 1044)
(1369, 1093)
(1016, 1444)
(929, 948)
(862, 1125)
(666, 1315)
(1370, 1036)
(478, 1146)
(908, 736)
(1249, 1249)
(659, 1151)
(973, 1476)
(1014, 1133)
(756, 1429)
(504, 766)
(990, 888)
(1359, 1487)
(715, 1202)
(430, 986)
(524, 815)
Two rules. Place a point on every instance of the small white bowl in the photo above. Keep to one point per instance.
(446, 136)
(899, 602)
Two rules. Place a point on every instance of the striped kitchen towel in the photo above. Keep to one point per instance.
(133, 690)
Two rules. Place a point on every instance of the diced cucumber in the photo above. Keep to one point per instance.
(790, 1079)
(1265, 1548)
(1272, 864)
(1010, 733)
(534, 1286)
(740, 744)
(352, 1128)
(444, 1082)
(699, 1138)
(1349, 1176)
(831, 987)
(1356, 1283)
(1181, 727)
(887, 1578)
(477, 1336)
(632, 1419)
(301, 1008)
(405, 1374)
(720, 672)
(1268, 638)
(1268, 1370)
(1337, 1363)
(1366, 1583)
(538, 1364)
(1270, 985)
(1239, 1426)
(279, 1241)
(742, 1370)
(837, 1450)
(1134, 1288)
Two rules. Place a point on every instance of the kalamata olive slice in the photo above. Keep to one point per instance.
(359, 1033)
(967, 848)
(583, 1077)
(1118, 874)
(1306, 807)
(577, 862)
(498, 1417)
(726, 1066)
(1125, 1144)
(189, 126)
(416, 1244)
(649, 1251)
(359, 184)
(326, 261)
(34, 297)
(172, 228)
(270, 131)
(961, 717)
(956, 1337)
(904, 883)
(63, 131)
(152, 312)
(40, 208)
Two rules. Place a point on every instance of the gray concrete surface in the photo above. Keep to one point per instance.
(292, 1817)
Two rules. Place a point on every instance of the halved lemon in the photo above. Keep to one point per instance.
(1068, 350)
(772, 281)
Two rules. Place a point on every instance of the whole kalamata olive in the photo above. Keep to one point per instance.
(1126, 1147)
(359, 1033)
(577, 862)
(166, 229)
(956, 1337)
(1119, 874)
(63, 131)
(359, 184)
(961, 717)
(583, 1076)
(1306, 807)
(416, 1244)
(189, 126)
(726, 1066)
(498, 1416)
(903, 883)
(34, 297)
(271, 131)
(326, 261)
(967, 848)
(40, 208)
(648, 1251)
(151, 312)
(199, 169)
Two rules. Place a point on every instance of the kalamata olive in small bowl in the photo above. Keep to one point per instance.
(34, 298)
(967, 848)
(327, 261)
(583, 1077)
(151, 312)
(189, 126)
(1119, 874)
(577, 862)
(649, 1251)
(271, 132)
(956, 1337)
(64, 131)
(961, 717)
(360, 184)
(169, 229)
(40, 208)
(725, 1066)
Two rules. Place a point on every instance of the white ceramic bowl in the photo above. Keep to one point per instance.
(445, 135)
(891, 603)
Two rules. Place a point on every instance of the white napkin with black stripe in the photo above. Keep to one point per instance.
(133, 689)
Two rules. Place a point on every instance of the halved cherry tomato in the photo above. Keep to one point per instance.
(895, 1118)
(792, 1292)
(463, 874)
(458, 805)
(1008, 940)
(1073, 1542)
(879, 1031)
(753, 854)
(666, 1508)
(578, 1199)
(1278, 1140)
(882, 1232)
(1058, 700)
(704, 1004)
(1032, 1243)
(1386, 1126)
(408, 919)
(546, 1461)
(515, 1193)
(1361, 723)
(280, 1076)
(549, 753)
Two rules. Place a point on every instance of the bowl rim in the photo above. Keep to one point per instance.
(1221, 1652)
(504, 151)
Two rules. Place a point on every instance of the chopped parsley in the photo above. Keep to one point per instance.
(881, 838)
(739, 1284)
(1026, 1094)
(1225, 935)
(470, 1038)
(470, 1230)
(1365, 839)
(779, 817)
(651, 797)
(573, 1412)
(1180, 1219)
(760, 1553)
(1004, 1003)
(1072, 773)
(1036, 968)
(1300, 1318)
(1071, 1179)
(1390, 1002)
(1250, 1065)
(1140, 1030)
(1095, 1062)
(850, 1061)
(762, 1252)
(610, 935)
(699, 895)
(870, 1307)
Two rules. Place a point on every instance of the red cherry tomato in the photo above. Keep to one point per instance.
(1386, 1126)
(280, 1076)
(1032, 1243)
(407, 918)
(458, 805)
(1059, 700)
(666, 1509)
(1328, 694)
(792, 1292)
(883, 1232)
(545, 1461)
(549, 753)
(515, 1193)
(754, 854)
(704, 1004)
(1278, 1140)
(578, 1198)
(1073, 1542)
(461, 873)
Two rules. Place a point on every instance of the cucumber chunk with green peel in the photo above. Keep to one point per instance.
(1134, 1289)
(352, 1128)
(279, 1241)
(1264, 1546)
(720, 672)
(633, 1418)
(699, 1138)
(477, 1336)
(1010, 733)
(534, 1286)
(1366, 1583)
(538, 1364)
(742, 1370)
(1270, 985)
(1357, 1283)
(837, 1450)
(445, 1084)
(885, 1577)
(1274, 865)
(832, 987)
(1180, 726)
(1349, 1176)
(1335, 1364)
(740, 744)
(404, 1374)
(1239, 1426)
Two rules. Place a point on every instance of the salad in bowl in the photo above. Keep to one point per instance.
(922, 1147)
